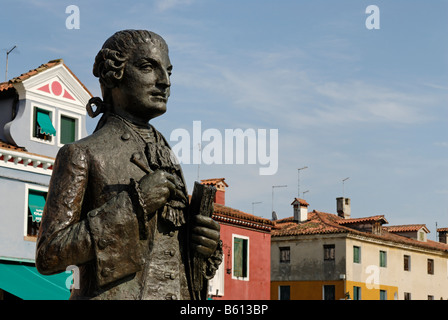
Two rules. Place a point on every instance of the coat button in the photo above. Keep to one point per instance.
(102, 243)
(125, 136)
(170, 253)
(170, 296)
(171, 276)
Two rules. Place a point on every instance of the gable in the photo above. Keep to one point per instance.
(56, 85)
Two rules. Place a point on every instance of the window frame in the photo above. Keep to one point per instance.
(33, 122)
(247, 269)
(73, 116)
(287, 251)
(430, 266)
(280, 295)
(36, 188)
(356, 257)
(383, 259)
(331, 249)
(406, 262)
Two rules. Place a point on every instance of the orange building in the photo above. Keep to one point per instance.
(324, 256)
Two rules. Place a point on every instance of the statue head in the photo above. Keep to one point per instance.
(134, 71)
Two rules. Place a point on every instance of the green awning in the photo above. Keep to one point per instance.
(27, 283)
(44, 121)
(36, 203)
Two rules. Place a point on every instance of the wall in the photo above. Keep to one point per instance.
(13, 244)
(258, 285)
(417, 281)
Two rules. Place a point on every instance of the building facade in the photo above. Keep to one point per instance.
(40, 111)
(323, 256)
(244, 273)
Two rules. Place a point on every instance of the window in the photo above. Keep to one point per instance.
(407, 263)
(284, 293)
(356, 254)
(285, 254)
(356, 293)
(329, 293)
(68, 130)
(383, 295)
(430, 266)
(36, 203)
(430, 297)
(240, 257)
(407, 296)
(329, 251)
(43, 128)
(383, 259)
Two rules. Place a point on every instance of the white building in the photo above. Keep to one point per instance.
(40, 111)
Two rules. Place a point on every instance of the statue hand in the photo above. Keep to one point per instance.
(157, 188)
(204, 235)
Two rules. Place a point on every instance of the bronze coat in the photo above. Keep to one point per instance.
(90, 221)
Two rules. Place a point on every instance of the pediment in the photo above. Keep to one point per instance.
(56, 85)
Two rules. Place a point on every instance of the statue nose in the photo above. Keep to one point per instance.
(164, 78)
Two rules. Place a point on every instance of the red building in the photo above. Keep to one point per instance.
(245, 272)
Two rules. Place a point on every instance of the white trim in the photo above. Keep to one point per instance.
(52, 116)
(31, 163)
(29, 187)
(78, 128)
(246, 278)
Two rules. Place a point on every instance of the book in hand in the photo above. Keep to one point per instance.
(201, 203)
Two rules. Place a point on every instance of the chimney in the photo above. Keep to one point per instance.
(220, 184)
(300, 210)
(343, 207)
(442, 235)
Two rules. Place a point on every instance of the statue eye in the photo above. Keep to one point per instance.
(146, 66)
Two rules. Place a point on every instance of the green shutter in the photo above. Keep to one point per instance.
(356, 255)
(67, 130)
(44, 121)
(36, 203)
(238, 257)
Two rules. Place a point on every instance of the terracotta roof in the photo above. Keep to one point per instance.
(407, 228)
(214, 181)
(379, 218)
(442, 230)
(328, 223)
(226, 214)
(8, 146)
(4, 86)
(301, 202)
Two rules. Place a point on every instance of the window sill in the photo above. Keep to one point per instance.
(30, 238)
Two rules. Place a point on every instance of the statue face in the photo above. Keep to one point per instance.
(143, 91)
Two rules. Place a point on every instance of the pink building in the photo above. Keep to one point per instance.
(245, 272)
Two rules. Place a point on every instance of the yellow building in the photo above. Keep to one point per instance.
(317, 256)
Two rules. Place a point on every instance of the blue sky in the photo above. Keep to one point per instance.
(347, 101)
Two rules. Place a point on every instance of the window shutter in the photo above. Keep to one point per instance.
(238, 257)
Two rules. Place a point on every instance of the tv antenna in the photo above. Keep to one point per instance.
(298, 181)
(7, 55)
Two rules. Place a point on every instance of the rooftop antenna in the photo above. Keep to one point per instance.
(303, 193)
(7, 54)
(254, 203)
(298, 180)
(343, 181)
(273, 195)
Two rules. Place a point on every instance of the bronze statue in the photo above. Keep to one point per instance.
(117, 205)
